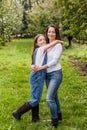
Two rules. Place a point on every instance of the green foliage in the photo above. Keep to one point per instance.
(15, 60)
(69, 15)
(30, 17)
(41, 16)
(74, 18)
(9, 19)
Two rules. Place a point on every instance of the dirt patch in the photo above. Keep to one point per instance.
(79, 64)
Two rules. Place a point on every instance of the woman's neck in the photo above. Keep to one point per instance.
(51, 41)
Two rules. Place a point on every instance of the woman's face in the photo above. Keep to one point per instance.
(51, 34)
(41, 41)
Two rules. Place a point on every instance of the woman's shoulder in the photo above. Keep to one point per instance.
(57, 46)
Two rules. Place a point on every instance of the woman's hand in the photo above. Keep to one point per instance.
(59, 41)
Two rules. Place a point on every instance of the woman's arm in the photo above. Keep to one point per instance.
(42, 50)
(38, 67)
(47, 46)
(54, 60)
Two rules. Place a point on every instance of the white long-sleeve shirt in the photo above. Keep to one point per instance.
(40, 56)
(53, 58)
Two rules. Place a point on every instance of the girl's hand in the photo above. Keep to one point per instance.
(38, 68)
(35, 67)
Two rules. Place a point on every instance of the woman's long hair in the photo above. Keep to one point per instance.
(35, 44)
(56, 30)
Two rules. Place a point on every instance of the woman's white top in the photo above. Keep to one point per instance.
(53, 58)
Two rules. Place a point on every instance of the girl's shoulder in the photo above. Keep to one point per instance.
(39, 50)
(36, 50)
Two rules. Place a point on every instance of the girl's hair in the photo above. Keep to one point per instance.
(35, 43)
(56, 30)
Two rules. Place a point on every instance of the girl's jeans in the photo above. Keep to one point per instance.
(36, 83)
(53, 80)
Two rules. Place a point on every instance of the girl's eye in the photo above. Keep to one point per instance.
(40, 40)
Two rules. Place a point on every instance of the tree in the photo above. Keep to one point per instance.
(41, 16)
(73, 19)
(9, 19)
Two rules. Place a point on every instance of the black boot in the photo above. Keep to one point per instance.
(59, 116)
(54, 122)
(21, 110)
(35, 113)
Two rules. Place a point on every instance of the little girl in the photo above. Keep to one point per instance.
(36, 78)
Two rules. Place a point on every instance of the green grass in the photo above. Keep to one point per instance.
(77, 51)
(15, 59)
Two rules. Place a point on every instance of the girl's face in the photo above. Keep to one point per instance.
(51, 34)
(41, 41)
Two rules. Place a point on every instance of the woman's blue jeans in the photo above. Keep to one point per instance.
(53, 81)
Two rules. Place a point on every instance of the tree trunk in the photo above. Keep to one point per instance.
(70, 40)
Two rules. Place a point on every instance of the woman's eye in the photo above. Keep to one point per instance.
(51, 32)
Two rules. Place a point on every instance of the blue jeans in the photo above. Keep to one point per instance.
(36, 83)
(53, 81)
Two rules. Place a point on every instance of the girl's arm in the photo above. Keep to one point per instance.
(47, 46)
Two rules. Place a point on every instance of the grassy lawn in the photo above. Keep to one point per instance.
(15, 59)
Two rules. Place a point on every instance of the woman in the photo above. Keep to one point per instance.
(36, 78)
(54, 73)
